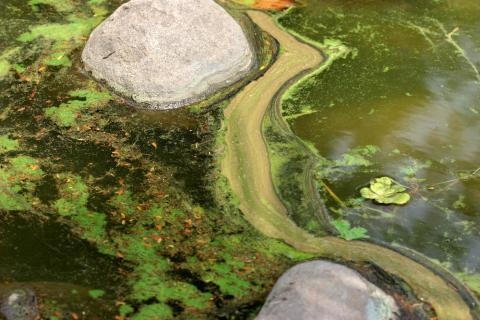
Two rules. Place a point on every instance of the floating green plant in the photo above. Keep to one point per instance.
(96, 293)
(60, 6)
(66, 114)
(75, 30)
(347, 232)
(17, 182)
(7, 144)
(386, 191)
(5, 64)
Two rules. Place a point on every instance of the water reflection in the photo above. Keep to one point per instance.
(411, 88)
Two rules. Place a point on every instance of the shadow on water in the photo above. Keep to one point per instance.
(43, 255)
(34, 249)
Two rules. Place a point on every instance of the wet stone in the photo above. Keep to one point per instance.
(19, 304)
(168, 53)
(324, 290)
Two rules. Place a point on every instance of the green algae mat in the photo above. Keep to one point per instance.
(112, 212)
(108, 211)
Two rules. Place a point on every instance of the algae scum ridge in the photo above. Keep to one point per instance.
(398, 98)
(110, 211)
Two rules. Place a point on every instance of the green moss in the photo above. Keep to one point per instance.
(11, 200)
(4, 68)
(96, 2)
(124, 203)
(63, 116)
(73, 204)
(62, 38)
(93, 225)
(274, 248)
(76, 30)
(229, 282)
(67, 113)
(182, 291)
(96, 293)
(25, 167)
(472, 280)
(246, 2)
(7, 144)
(158, 311)
(58, 59)
(125, 309)
(148, 278)
(5, 64)
(17, 181)
(60, 6)
(19, 68)
(74, 194)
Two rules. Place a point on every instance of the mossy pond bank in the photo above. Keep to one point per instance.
(399, 97)
(110, 211)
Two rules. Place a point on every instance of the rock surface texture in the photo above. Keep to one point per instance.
(323, 290)
(20, 304)
(168, 53)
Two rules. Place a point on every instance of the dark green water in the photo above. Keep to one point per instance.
(410, 90)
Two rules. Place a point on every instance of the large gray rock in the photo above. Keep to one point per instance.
(321, 290)
(168, 53)
(19, 304)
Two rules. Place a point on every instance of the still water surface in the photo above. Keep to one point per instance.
(410, 90)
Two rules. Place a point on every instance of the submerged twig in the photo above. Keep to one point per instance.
(473, 174)
(333, 195)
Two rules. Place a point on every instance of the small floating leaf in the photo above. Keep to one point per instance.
(385, 190)
(347, 232)
(96, 293)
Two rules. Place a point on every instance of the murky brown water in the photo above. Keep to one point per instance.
(411, 89)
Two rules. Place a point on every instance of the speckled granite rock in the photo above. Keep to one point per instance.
(321, 290)
(168, 53)
(19, 304)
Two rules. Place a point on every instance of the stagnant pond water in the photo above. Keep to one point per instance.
(106, 210)
(405, 103)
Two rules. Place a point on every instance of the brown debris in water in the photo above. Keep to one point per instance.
(274, 4)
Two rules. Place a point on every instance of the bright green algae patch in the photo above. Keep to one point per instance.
(65, 36)
(66, 114)
(60, 6)
(5, 64)
(7, 144)
(74, 30)
(17, 179)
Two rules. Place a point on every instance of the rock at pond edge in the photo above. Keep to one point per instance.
(322, 290)
(19, 304)
(168, 53)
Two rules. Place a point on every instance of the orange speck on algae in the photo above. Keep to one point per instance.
(274, 4)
